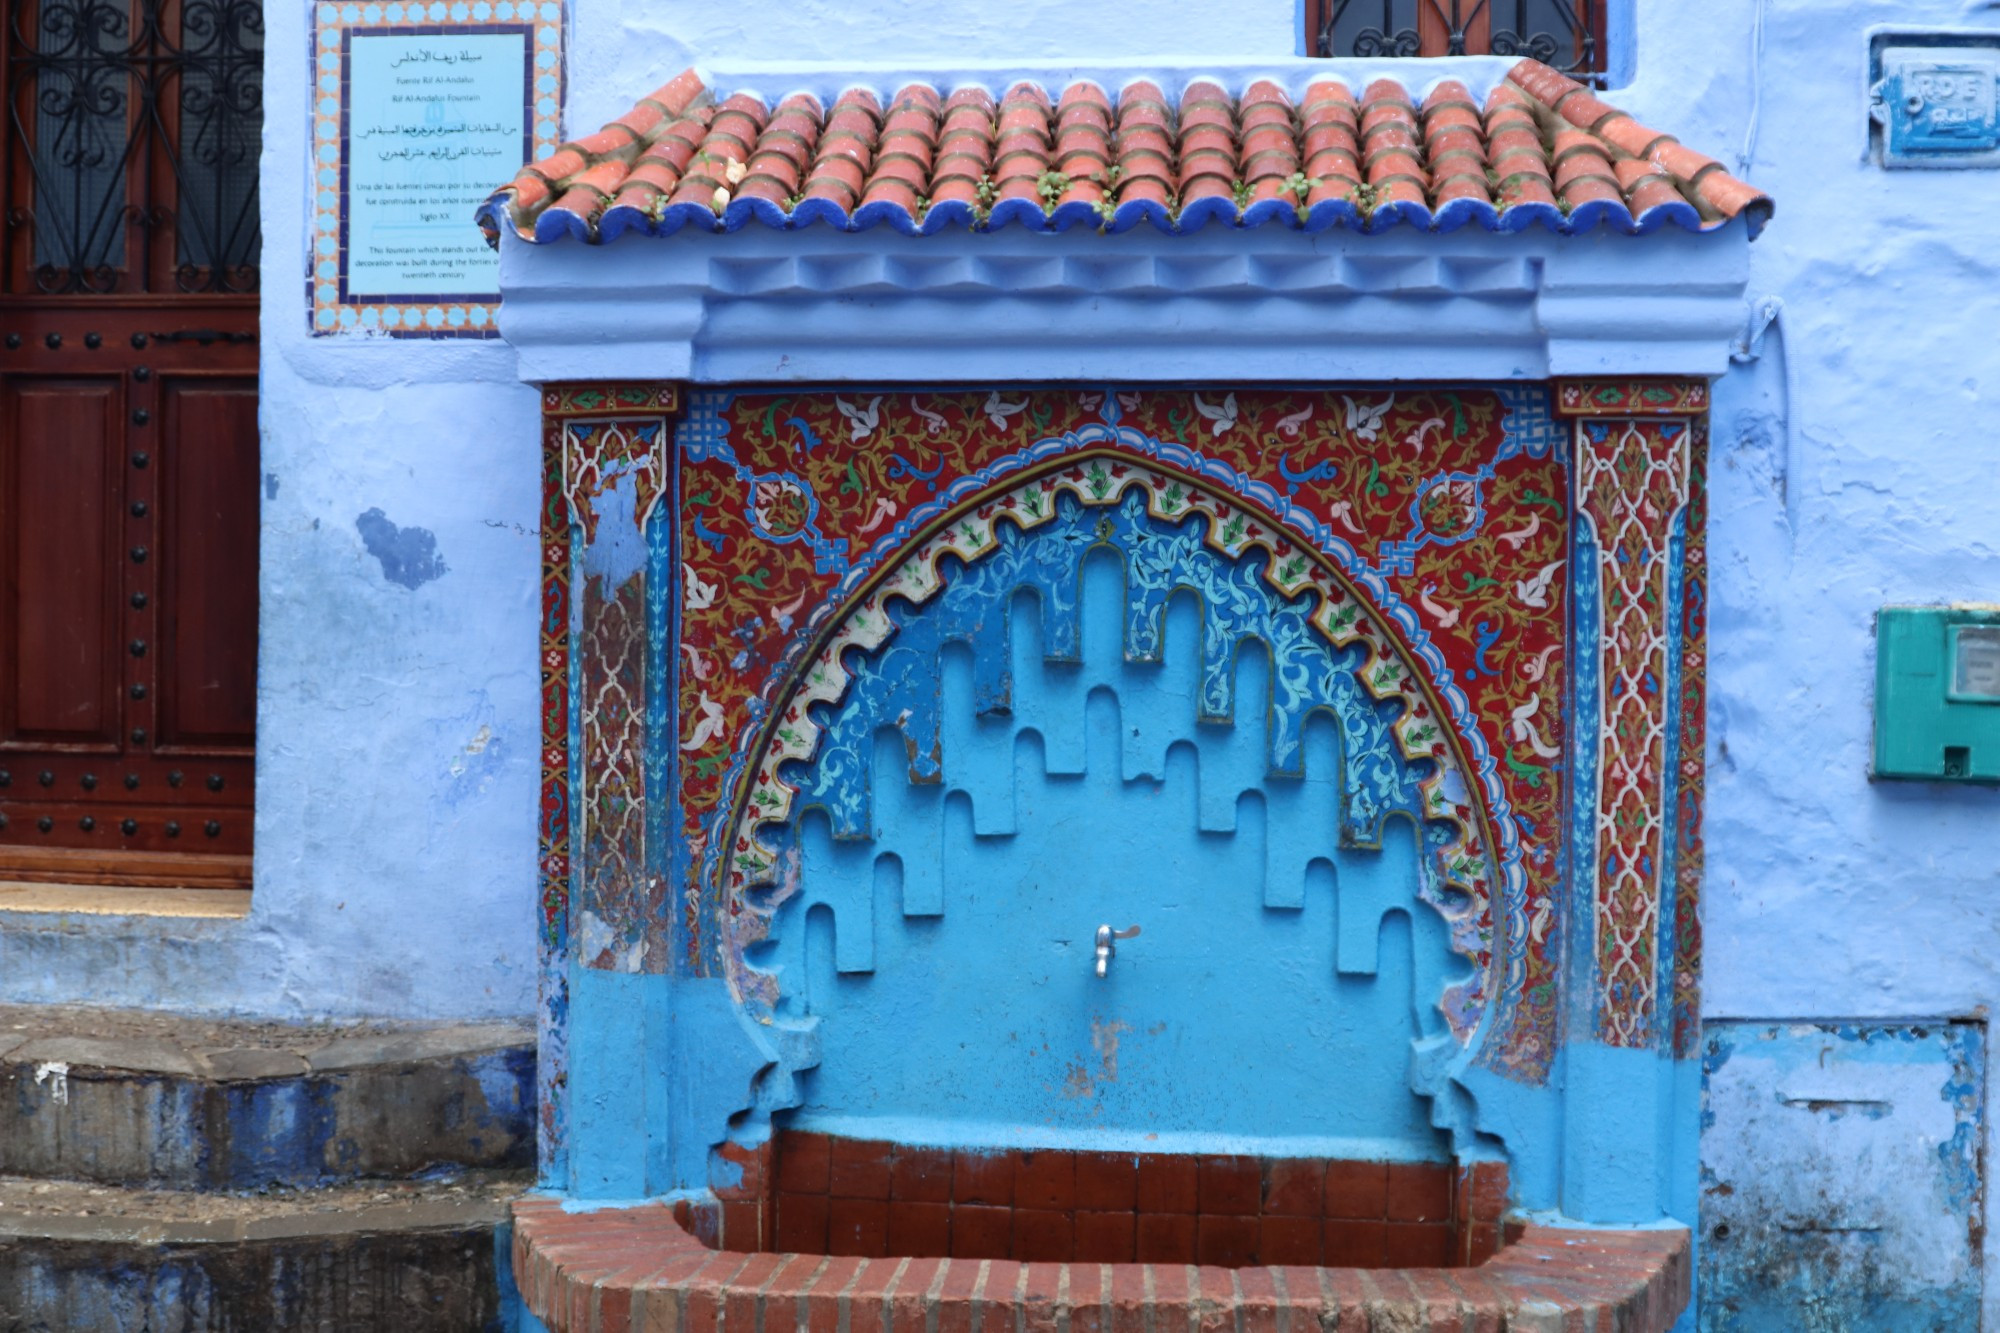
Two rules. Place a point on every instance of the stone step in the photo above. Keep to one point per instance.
(409, 1256)
(169, 1102)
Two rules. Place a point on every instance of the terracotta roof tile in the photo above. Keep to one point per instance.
(1543, 149)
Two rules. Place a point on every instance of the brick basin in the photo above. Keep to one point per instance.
(812, 1193)
(640, 1270)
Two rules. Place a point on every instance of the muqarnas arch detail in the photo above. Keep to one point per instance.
(1443, 508)
(1258, 582)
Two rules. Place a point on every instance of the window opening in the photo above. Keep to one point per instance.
(1565, 34)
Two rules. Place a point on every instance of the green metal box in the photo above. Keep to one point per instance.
(1937, 693)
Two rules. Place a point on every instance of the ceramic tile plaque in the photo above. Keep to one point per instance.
(1934, 98)
(420, 111)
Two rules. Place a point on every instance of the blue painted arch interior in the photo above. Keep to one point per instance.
(1105, 721)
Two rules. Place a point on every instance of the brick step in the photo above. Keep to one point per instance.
(412, 1256)
(159, 1101)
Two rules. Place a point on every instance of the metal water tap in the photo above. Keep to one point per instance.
(1107, 944)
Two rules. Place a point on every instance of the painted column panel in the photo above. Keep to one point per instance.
(614, 471)
(1630, 475)
(1640, 620)
(1635, 460)
(1691, 778)
(606, 455)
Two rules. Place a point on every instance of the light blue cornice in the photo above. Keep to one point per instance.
(1267, 304)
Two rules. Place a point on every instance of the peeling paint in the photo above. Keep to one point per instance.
(600, 940)
(56, 1074)
(1841, 1177)
(618, 551)
(1104, 1040)
(409, 556)
(473, 749)
(475, 754)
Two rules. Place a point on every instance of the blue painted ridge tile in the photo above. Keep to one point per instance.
(1264, 211)
(1679, 213)
(1595, 212)
(621, 218)
(1131, 214)
(1074, 214)
(1331, 213)
(883, 213)
(1017, 211)
(1462, 212)
(950, 213)
(675, 216)
(810, 211)
(1203, 211)
(554, 224)
(741, 211)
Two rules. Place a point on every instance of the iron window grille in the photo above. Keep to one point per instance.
(1566, 34)
(135, 127)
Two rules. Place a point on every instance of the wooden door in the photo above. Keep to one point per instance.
(129, 480)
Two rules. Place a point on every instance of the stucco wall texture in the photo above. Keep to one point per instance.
(1855, 465)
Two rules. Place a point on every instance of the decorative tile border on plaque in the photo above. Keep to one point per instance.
(449, 37)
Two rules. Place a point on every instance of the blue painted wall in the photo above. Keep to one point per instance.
(1855, 466)
(1855, 463)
